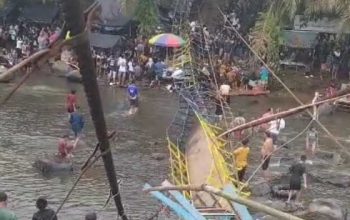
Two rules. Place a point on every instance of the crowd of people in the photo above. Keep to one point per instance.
(20, 40)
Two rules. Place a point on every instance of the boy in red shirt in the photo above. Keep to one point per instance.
(71, 101)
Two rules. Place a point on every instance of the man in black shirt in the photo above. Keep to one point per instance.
(298, 171)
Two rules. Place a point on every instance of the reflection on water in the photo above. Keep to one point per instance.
(35, 117)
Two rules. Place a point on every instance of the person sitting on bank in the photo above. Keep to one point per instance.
(297, 171)
(241, 158)
(44, 213)
(5, 214)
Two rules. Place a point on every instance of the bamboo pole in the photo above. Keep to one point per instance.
(247, 202)
(284, 114)
(74, 19)
(24, 63)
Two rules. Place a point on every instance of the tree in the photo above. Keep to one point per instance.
(266, 35)
(147, 16)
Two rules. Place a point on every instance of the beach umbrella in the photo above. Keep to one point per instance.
(167, 40)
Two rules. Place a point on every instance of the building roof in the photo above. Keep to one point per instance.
(324, 25)
(40, 13)
(299, 39)
(104, 40)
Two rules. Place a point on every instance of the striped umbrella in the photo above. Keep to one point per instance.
(167, 40)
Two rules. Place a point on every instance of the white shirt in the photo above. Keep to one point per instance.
(277, 125)
(19, 44)
(130, 66)
(122, 65)
(225, 89)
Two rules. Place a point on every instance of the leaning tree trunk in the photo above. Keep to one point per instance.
(74, 19)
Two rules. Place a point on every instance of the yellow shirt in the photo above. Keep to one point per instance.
(241, 157)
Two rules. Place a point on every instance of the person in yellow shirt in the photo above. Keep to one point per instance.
(241, 158)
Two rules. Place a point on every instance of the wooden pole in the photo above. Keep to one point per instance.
(284, 114)
(247, 202)
(74, 19)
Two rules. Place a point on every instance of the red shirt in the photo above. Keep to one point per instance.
(71, 101)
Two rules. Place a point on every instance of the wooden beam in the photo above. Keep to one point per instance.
(284, 114)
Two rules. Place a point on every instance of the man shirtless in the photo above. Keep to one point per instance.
(266, 152)
(66, 147)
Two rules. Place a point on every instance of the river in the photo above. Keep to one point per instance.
(34, 119)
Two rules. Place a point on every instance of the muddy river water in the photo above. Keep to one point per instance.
(34, 118)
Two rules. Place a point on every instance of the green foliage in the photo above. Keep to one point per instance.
(147, 16)
(266, 35)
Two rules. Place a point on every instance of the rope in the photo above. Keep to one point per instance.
(284, 85)
(277, 149)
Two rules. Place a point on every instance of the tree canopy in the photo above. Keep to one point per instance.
(147, 16)
(266, 35)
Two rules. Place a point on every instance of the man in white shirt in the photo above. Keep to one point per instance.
(122, 70)
(131, 70)
(112, 70)
(19, 44)
(274, 129)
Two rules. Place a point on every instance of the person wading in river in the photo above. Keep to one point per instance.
(311, 144)
(241, 159)
(44, 213)
(77, 122)
(71, 101)
(275, 128)
(66, 148)
(297, 171)
(5, 214)
(266, 151)
(133, 95)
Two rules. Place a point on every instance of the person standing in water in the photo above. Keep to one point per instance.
(311, 144)
(66, 148)
(133, 95)
(266, 152)
(71, 101)
(77, 122)
(241, 159)
(298, 172)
